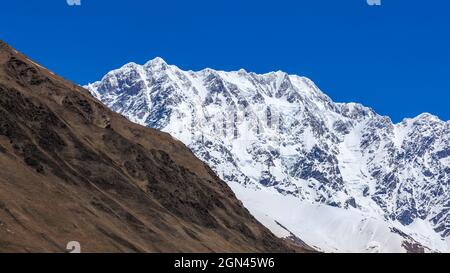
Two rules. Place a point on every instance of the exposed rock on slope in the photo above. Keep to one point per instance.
(280, 132)
(71, 169)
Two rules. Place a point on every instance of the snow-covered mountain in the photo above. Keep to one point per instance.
(300, 162)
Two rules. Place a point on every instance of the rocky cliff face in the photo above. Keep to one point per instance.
(281, 132)
(73, 170)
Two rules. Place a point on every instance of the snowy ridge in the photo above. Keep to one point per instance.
(279, 133)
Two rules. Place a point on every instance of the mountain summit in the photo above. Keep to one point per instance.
(277, 138)
(73, 170)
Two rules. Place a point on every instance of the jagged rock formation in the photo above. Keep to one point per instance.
(279, 131)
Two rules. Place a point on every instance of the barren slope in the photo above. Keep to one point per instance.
(70, 169)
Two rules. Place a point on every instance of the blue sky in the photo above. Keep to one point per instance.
(394, 58)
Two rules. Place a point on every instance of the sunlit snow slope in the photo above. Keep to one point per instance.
(350, 179)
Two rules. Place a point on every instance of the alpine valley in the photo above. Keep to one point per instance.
(337, 176)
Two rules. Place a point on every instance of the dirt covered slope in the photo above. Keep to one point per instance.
(72, 170)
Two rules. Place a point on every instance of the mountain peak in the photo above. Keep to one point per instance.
(427, 116)
(423, 118)
(281, 132)
(157, 61)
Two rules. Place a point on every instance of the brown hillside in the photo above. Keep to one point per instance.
(72, 170)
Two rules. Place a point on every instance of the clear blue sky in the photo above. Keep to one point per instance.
(394, 58)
